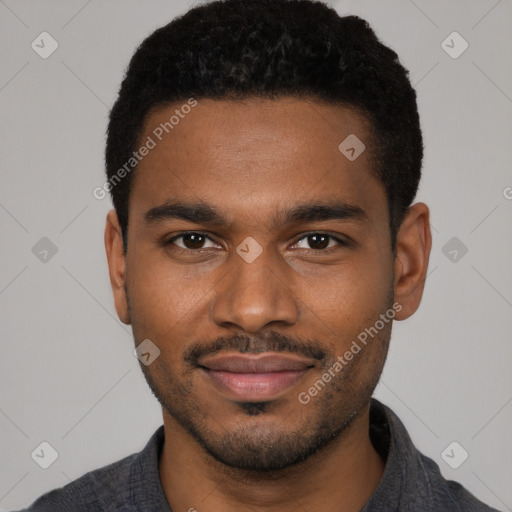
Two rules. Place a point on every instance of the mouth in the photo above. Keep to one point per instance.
(249, 377)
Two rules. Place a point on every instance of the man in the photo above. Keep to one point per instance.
(262, 157)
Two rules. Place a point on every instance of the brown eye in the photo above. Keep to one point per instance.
(320, 241)
(190, 241)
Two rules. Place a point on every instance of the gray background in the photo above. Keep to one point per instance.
(67, 372)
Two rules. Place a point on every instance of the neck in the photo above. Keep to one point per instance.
(339, 478)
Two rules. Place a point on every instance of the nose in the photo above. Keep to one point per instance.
(255, 294)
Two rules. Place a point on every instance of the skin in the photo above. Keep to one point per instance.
(248, 160)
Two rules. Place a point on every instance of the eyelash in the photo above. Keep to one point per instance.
(169, 242)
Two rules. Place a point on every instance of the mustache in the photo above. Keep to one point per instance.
(268, 342)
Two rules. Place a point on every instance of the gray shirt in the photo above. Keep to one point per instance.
(411, 481)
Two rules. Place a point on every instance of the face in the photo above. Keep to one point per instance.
(258, 260)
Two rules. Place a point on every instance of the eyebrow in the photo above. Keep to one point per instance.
(203, 213)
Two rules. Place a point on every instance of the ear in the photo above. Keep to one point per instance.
(116, 265)
(413, 244)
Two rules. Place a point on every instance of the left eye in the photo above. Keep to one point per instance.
(320, 241)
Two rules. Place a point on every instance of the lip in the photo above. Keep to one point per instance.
(255, 377)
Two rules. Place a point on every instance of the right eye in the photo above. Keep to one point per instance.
(190, 241)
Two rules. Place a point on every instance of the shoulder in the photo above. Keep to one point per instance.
(106, 488)
(450, 494)
(412, 480)
(118, 487)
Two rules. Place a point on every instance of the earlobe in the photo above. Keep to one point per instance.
(413, 245)
(116, 265)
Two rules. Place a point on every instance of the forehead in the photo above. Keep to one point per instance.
(250, 157)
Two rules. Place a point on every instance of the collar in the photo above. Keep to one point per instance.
(398, 490)
(146, 491)
(406, 483)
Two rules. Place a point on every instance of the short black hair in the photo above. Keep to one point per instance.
(237, 49)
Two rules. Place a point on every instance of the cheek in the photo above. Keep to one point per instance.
(349, 295)
(164, 299)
